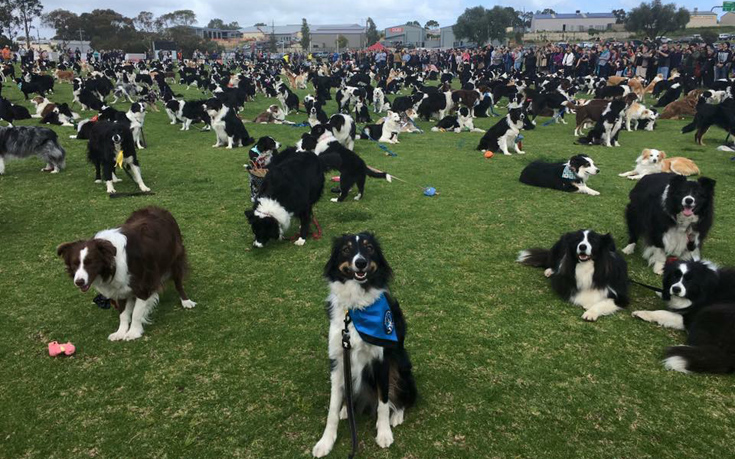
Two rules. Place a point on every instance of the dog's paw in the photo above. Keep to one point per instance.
(384, 438)
(396, 418)
(358, 197)
(133, 334)
(521, 152)
(658, 268)
(187, 304)
(548, 272)
(590, 315)
(593, 193)
(144, 188)
(117, 336)
(643, 315)
(629, 249)
(323, 448)
(334, 200)
(300, 241)
(343, 413)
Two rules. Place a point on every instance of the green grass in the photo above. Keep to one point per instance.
(505, 369)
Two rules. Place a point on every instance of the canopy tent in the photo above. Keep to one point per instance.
(378, 46)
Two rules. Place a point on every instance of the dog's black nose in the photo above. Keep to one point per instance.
(676, 290)
(688, 201)
(79, 282)
(361, 263)
(582, 247)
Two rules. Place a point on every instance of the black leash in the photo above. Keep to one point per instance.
(348, 385)
(649, 287)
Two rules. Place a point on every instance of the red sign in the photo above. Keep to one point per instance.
(395, 30)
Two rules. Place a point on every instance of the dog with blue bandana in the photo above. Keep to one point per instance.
(570, 176)
(361, 306)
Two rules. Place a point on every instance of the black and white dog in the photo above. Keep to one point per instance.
(106, 140)
(226, 125)
(289, 101)
(382, 379)
(608, 127)
(26, 141)
(462, 121)
(570, 176)
(293, 184)
(504, 132)
(672, 215)
(586, 270)
(343, 129)
(387, 131)
(701, 300)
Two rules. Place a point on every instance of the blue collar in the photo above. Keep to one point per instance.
(375, 323)
(568, 173)
(255, 149)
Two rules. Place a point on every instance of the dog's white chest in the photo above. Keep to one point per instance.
(586, 296)
(677, 238)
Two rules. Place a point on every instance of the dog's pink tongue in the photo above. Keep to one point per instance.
(687, 212)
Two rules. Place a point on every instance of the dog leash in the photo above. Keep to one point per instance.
(649, 287)
(317, 235)
(346, 347)
(383, 147)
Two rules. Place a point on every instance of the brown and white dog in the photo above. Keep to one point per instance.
(653, 161)
(129, 265)
(64, 75)
(656, 79)
(637, 112)
(687, 105)
(272, 114)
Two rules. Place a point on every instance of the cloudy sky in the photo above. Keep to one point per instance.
(385, 13)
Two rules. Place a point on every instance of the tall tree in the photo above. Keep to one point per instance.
(305, 35)
(620, 16)
(655, 19)
(24, 13)
(480, 25)
(178, 18)
(260, 24)
(217, 23)
(546, 11)
(65, 23)
(272, 43)
(525, 18)
(145, 22)
(414, 23)
(371, 33)
(342, 42)
(431, 24)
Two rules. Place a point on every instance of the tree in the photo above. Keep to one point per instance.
(220, 24)
(24, 12)
(414, 23)
(620, 16)
(480, 25)
(272, 43)
(546, 11)
(655, 19)
(371, 33)
(65, 23)
(709, 36)
(260, 24)
(342, 42)
(144, 22)
(525, 18)
(178, 18)
(431, 24)
(305, 35)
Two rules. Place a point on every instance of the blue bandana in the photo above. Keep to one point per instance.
(568, 173)
(375, 323)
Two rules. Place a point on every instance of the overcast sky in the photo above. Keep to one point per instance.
(385, 13)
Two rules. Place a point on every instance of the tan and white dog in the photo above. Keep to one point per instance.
(636, 112)
(653, 161)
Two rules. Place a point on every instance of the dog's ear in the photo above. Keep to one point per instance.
(708, 184)
(607, 242)
(646, 153)
(63, 249)
(678, 180)
(662, 155)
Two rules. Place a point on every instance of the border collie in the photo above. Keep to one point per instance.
(227, 127)
(701, 299)
(586, 270)
(436, 105)
(343, 129)
(653, 161)
(608, 127)
(335, 156)
(358, 275)
(721, 115)
(11, 112)
(462, 121)
(25, 141)
(672, 215)
(291, 188)
(105, 141)
(362, 112)
(380, 104)
(570, 176)
(637, 113)
(504, 132)
(129, 265)
(387, 131)
(289, 101)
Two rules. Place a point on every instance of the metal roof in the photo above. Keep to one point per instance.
(575, 16)
(291, 29)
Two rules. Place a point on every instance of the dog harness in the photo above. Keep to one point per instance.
(375, 323)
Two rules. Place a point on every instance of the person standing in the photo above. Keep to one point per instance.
(664, 60)
(724, 61)
(568, 62)
(602, 61)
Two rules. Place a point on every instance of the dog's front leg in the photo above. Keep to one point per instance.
(326, 443)
(304, 229)
(603, 308)
(138, 179)
(518, 150)
(385, 435)
(664, 318)
(503, 145)
(125, 316)
(140, 316)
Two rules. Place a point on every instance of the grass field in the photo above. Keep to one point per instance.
(504, 368)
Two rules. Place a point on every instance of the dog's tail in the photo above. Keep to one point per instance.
(375, 173)
(248, 141)
(538, 258)
(583, 140)
(689, 127)
(699, 359)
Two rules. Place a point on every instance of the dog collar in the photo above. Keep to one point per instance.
(375, 323)
(568, 173)
(255, 149)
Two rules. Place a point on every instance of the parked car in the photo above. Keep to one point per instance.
(724, 36)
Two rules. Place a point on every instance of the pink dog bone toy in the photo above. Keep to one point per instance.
(54, 349)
